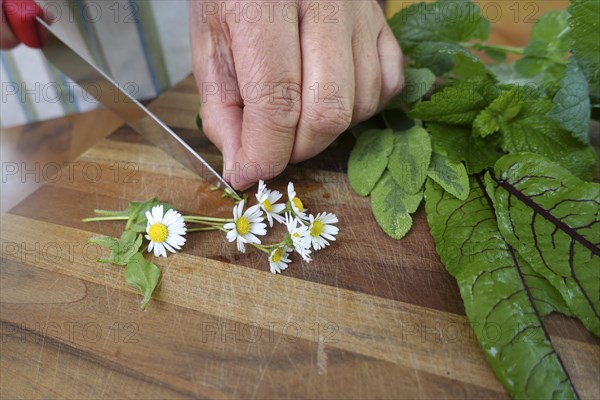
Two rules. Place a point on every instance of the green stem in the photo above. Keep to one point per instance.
(115, 218)
(192, 218)
(213, 228)
(111, 213)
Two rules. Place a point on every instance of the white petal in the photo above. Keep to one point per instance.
(150, 219)
(277, 208)
(157, 213)
(158, 249)
(332, 230)
(250, 238)
(240, 246)
(229, 225)
(231, 235)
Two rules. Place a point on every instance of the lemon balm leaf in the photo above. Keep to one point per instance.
(417, 82)
(443, 21)
(586, 41)
(551, 218)
(496, 292)
(410, 158)
(454, 105)
(392, 206)
(572, 103)
(143, 275)
(122, 249)
(452, 176)
(369, 159)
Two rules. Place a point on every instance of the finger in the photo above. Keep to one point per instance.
(8, 40)
(213, 65)
(367, 73)
(392, 70)
(327, 84)
(268, 67)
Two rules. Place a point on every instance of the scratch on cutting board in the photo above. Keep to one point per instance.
(321, 357)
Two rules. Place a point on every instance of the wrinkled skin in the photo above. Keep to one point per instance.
(279, 83)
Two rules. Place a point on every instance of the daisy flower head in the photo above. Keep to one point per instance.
(164, 231)
(245, 226)
(321, 229)
(295, 203)
(266, 199)
(279, 260)
(298, 237)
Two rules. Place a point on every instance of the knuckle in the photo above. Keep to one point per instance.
(365, 109)
(327, 120)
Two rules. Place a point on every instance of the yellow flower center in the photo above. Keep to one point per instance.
(316, 229)
(242, 225)
(298, 203)
(277, 255)
(267, 205)
(158, 233)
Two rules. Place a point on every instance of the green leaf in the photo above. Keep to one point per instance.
(423, 22)
(509, 75)
(137, 213)
(392, 206)
(369, 159)
(410, 158)
(455, 105)
(521, 115)
(505, 108)
(552, 218)
(551, 30)
(459, 144)
(121, 250)
(586, 35)
(142, 275)
(546, 298)
(452, 176)
(572, 108)
(417, 82)
(499, 304)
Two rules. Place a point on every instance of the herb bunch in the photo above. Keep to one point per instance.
(500, 154)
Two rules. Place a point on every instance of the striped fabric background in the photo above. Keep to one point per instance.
(143, 45)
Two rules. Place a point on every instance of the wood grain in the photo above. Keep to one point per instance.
(370, 317)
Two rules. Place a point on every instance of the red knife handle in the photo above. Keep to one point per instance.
(20, 15)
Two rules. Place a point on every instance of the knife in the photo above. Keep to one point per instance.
(25, 19)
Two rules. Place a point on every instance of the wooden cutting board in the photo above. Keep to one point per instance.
(369, 317)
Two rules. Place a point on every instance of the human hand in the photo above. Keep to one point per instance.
(279, 81)
(18, 23)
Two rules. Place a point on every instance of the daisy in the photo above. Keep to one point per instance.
(165, 232)
(245, 226)
(321, 229)
(278, 259)
(296, 203)
(299, 237)
(266, 199)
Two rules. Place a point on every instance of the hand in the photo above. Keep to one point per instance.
(18, 23)
(279, 81)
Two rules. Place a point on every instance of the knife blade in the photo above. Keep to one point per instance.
(119, 101)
